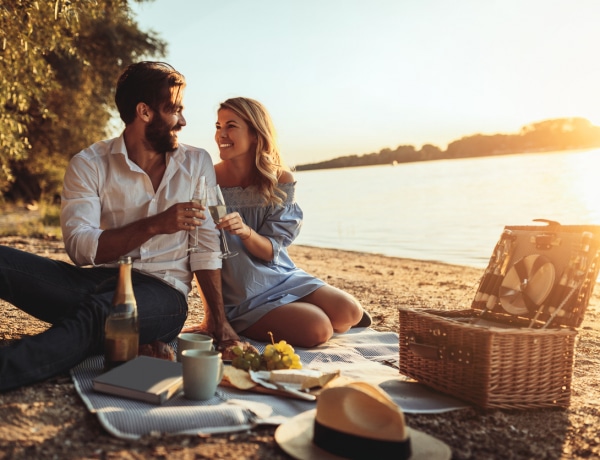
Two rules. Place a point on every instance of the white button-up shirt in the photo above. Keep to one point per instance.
(104, 189)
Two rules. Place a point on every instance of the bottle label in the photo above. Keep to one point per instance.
(121, 348)
(124, 310)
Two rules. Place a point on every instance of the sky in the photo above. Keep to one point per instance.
(352, 77)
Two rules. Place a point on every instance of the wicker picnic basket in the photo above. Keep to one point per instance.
(514, 348)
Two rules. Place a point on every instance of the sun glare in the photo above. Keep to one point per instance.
(595, 120)
(586, 186)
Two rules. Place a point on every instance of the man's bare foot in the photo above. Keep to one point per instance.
(157, 349)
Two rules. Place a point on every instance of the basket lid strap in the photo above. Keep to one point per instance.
(524, 278)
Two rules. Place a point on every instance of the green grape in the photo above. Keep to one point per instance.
(289, 350)
(237, 351)
(269, 350)
(240, 363)
(280, 355)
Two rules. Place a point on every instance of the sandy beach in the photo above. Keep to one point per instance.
(49, 420)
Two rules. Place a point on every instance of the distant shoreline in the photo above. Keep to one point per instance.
(556, 135)
(311, 166)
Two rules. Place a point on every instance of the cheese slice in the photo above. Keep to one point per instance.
(302, 378)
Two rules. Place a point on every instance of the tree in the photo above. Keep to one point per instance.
(430, 152)
(561, 133)
(59, 61)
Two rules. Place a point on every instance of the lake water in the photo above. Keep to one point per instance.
(450, 211)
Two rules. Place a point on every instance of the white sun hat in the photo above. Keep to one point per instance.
(356, 421)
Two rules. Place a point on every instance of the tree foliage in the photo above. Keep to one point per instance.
(59, 61)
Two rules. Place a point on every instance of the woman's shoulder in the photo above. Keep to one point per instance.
(285, 177)
(220, 173)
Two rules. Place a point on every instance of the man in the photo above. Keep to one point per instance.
(125, 196)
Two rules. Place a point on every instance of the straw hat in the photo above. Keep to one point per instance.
(356, 420)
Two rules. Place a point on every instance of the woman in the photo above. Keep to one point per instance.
(263, 290)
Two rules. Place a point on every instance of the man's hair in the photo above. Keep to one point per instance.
(156, 84)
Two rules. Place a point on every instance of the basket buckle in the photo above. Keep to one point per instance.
(545, 241)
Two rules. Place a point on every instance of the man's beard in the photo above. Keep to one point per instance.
(159, 136)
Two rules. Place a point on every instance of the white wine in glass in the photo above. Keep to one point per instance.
(198, 196)
(217, 208)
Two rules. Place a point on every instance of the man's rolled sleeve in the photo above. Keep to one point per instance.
(80, 211)
(205, 261)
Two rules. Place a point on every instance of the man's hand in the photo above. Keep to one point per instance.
(181, 216)
(117, 241)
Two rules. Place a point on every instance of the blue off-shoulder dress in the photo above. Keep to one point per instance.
(253, 287)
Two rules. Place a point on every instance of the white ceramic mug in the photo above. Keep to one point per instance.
(191, 341)
(202, 372)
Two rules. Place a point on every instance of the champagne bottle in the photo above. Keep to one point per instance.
(121, 330)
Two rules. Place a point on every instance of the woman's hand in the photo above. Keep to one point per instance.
(234, 224)
(257, 245)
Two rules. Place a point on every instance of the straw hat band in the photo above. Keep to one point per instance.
(358, 447)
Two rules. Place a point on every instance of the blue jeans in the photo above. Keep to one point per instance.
(76, 302)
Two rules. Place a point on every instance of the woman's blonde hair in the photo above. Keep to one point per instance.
(267, 159)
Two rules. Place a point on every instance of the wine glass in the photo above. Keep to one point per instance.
(198, 196)
(217, 208)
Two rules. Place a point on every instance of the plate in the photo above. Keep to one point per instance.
(527, 284)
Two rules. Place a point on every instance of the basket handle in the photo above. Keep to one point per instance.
(424, 350)
(460, 355)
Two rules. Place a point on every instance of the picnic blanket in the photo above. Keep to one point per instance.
(361, 354)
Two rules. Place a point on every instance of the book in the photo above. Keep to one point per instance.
(153, 380)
